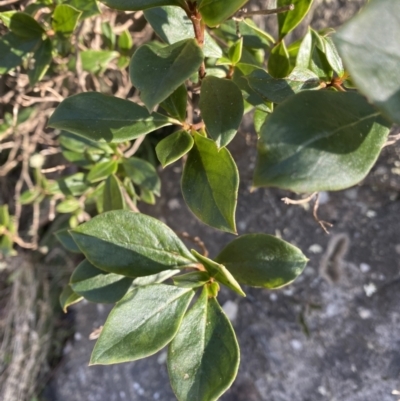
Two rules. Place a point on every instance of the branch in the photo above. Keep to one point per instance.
(243, 13)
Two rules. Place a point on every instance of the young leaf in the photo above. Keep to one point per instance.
(131, 244)
(89, 8)
(25, 26)
(203, 358)
(137, 5)
(101, 171)
(369, 46)
(279, 62)
(65, 19)
(68, 206)
(113, 198)
(261, 260)
(143, 174)
(219, 272)
(29, 196)
(141, 324)
(321, 152)
(173, 147)
(259, 120)
(158, 72)
(97, 286)
(210, 183)
(235, 51)
(74, 185)
(172, 24)
(289, 20)
(176, 103)
(125, 41)
(96, 116)
(67, 241)
(221, 106)
(96, 61)
(68, 297)
(147, 196)
(192, 280)
(216, 11)
(333, 57)
(42, 59)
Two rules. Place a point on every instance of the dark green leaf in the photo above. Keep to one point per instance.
(41, 61)
(277, 90)
(279, 62)
(96, 61)
(332, 149)
(176, 103)
(25, 26)
(74, 185)
(89, 8)
(261, 260)
(172, 25)
(137, 5)
(203, 358)
(173, 147)
(141, 324)
(216, 11)
(210, 184)
(97, 116)
(65, 19)
(219, 273)
(77, 143)
(101, 171)
(192, 280)
(67, 241)
(221, 106)
(113, 198)
(68, 297)
(143, 174)
(97, 286)
(155, 278)
(131, 244)
(369, 46)
(290, 19)
(158, 72)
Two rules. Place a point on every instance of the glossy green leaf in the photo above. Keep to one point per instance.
(68, 297)
(131, 244)
(210, 183)
(173, 147)
(102, 170)
(158, 72)
(289, 20)
(277, 90)
(137, 5)
(219, 273)
(77, 143)
(25, 26)
(192, 280)
(74, 185)
(216, 11)
(141, 324)
(319, 63)
(142, 173)
(203, 358)
(67, 241)
(89, 8)
(221, 106)
(68, 205)
(279, 62)
(333, 57)
(369, 46)
(175, 104)
(97, 116)
(155, 278)
(261, 260)
(97, 286)
(65, 19)
(304, 53)
(235, 52)
(41, 61)
(172, 25)
(97, 61)
(113, 198)
(332, 149)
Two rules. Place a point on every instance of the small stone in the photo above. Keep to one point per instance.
(323, 198)
(369, 289)
(315, 248)
(371, 214)
(397, 248)
(365, 268)
(77, 336)
(322, 390)
(242, 225)
(231, 310)
(273, 297)
(162, 358)
(364, 313)
(174, 204)
(296, 345)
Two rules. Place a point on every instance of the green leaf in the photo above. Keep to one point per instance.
(261, 260)
(142, 173)
(113, 198)
(155, 278)
(289, 20)
(304, 54)
(279, 62)
(68, 297)
(203, 358)
(67, 241)
(74, 185)
(65, 19)
(332, 149)
(172, 25)
(158, 72)
(125, 41)
(25, 26)
(29, 196)
(158, 310)
(77, 143)
(369, 46)
(333, 57)
(131, 244)
(216, 11)
(102, 170)
(68, 206)
(219, 273)
(137, 5)
(173, 147)
(96, 61)
(176, 103)
(277, 90)
(235, 52)
(97, 286)
(41, 59)
(259, 120)
(4, 216)
(221, 106)
(89, 8)
(6, 16)
(192, 280)
(147, 196)
(210, 183)
(96, 116)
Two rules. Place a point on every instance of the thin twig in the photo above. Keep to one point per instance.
(289, 201)
(322, 223)
(195, 240)
(243, 13)
(135, 147)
